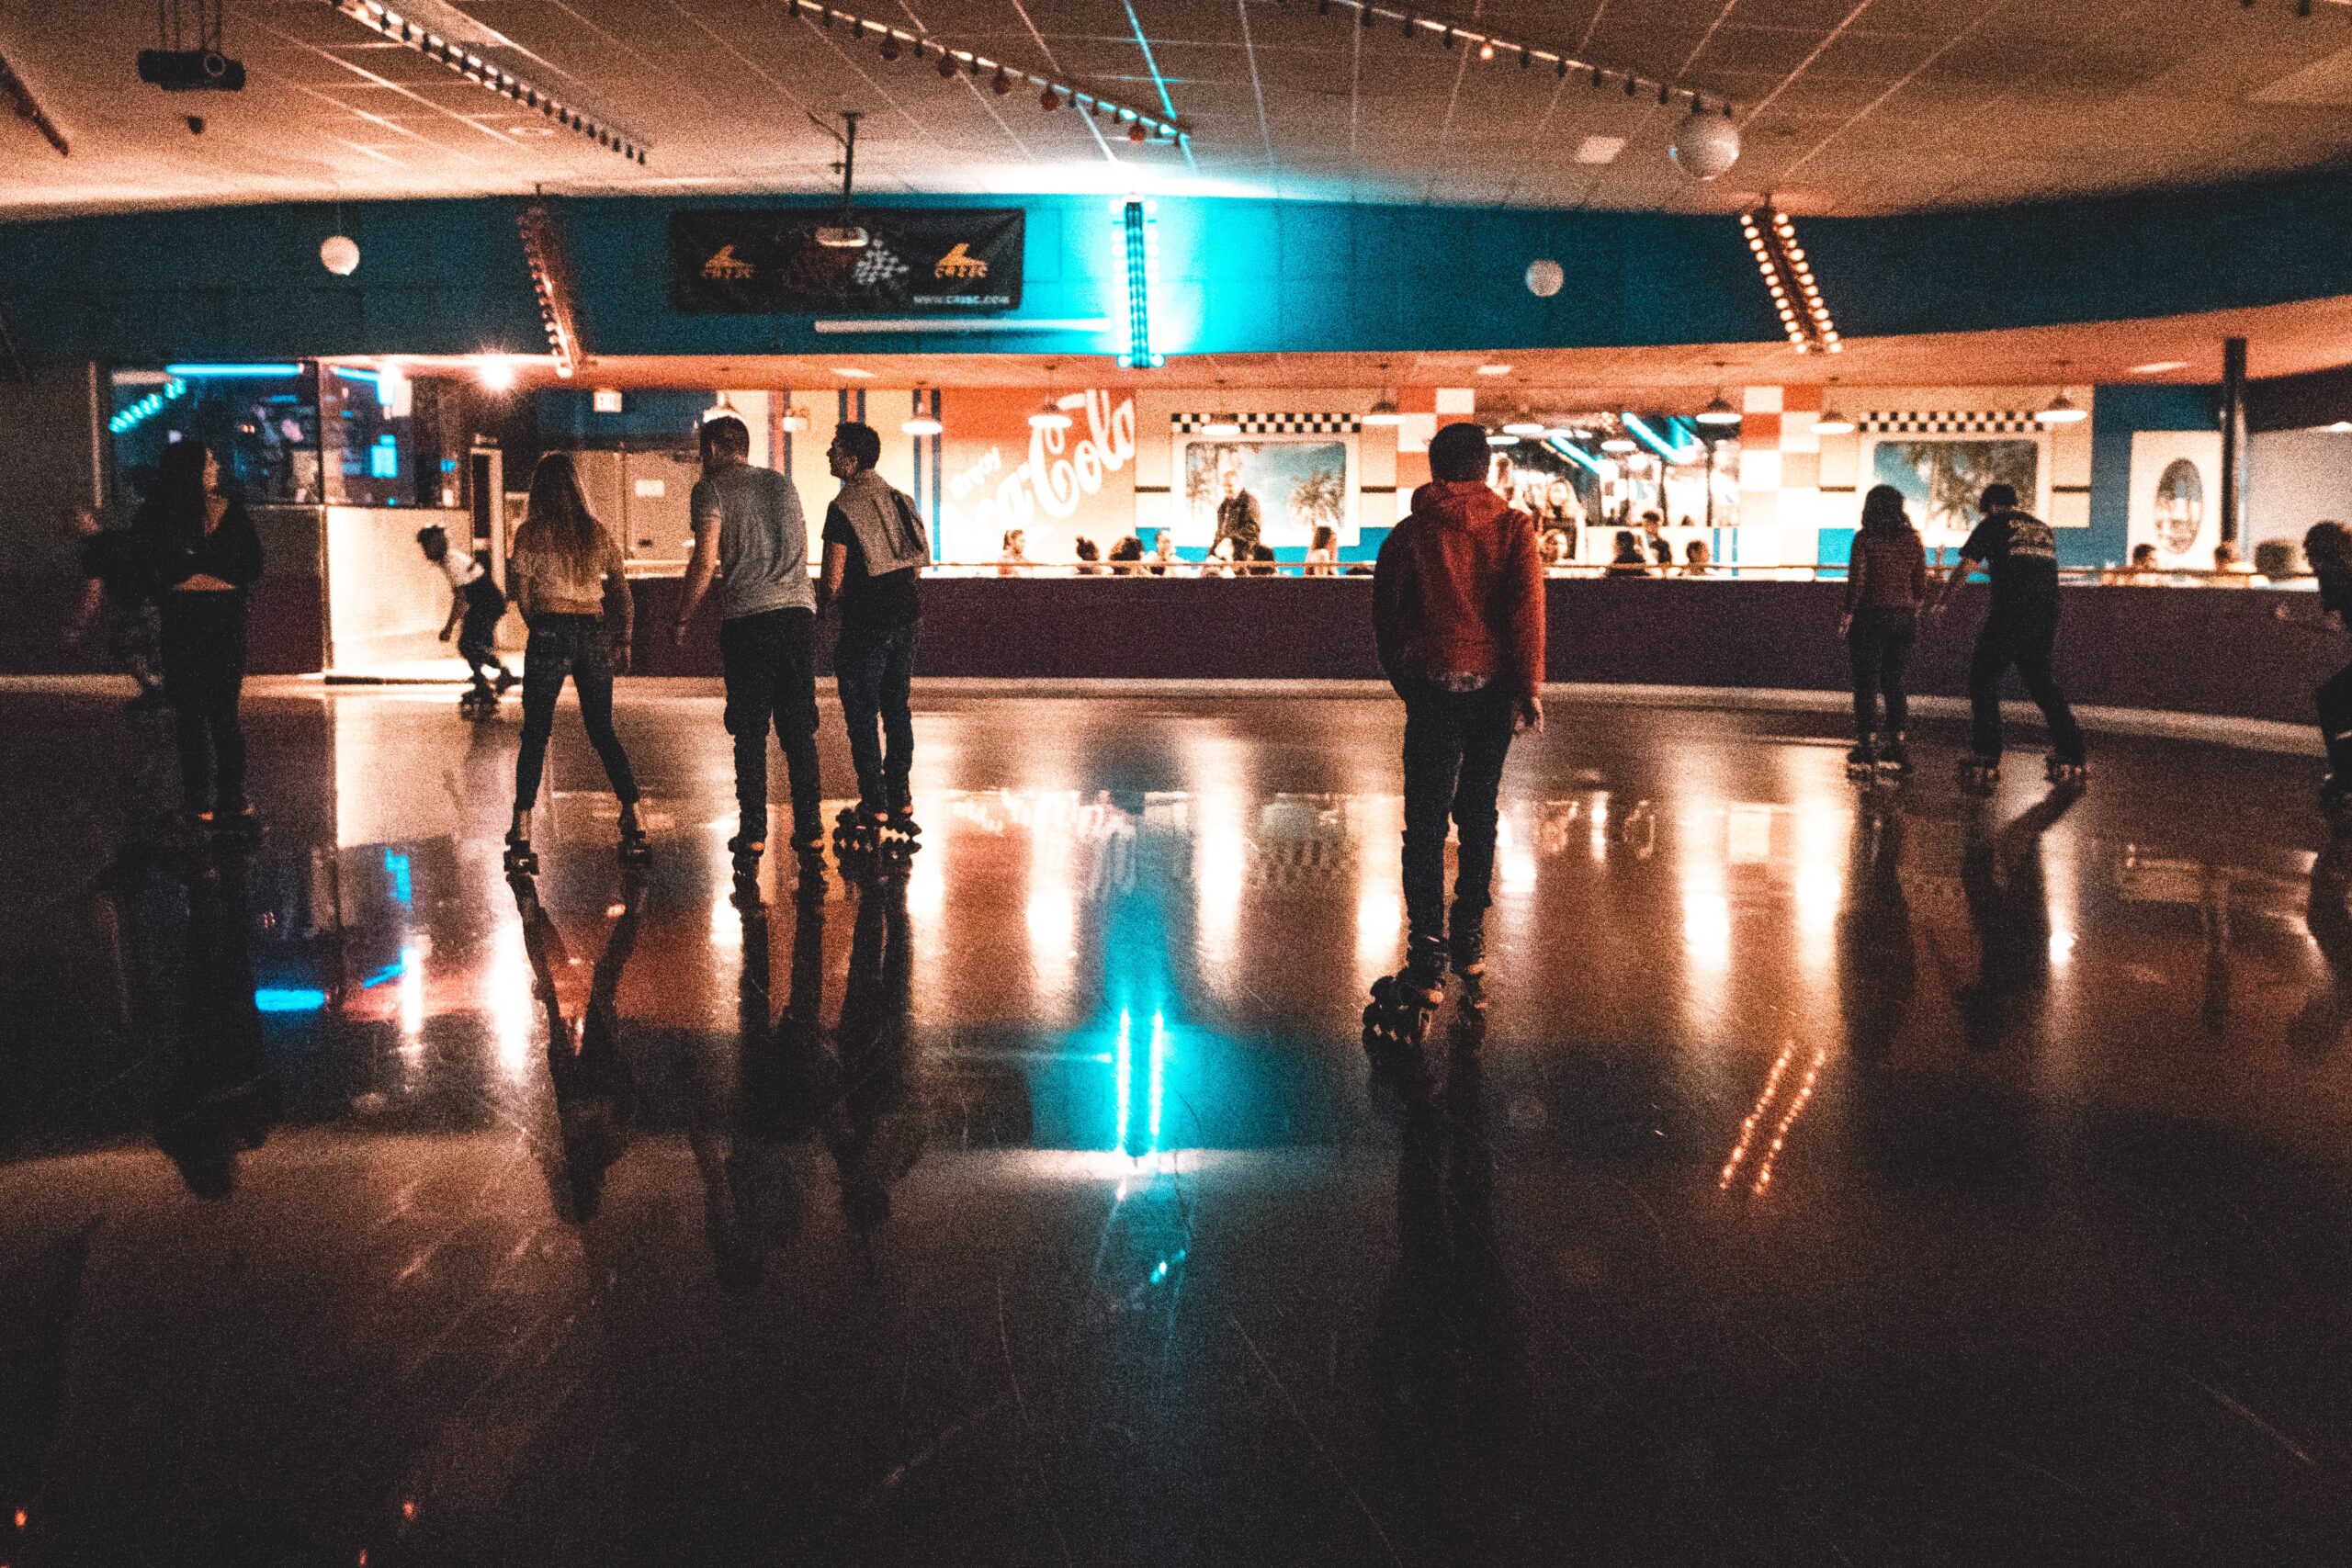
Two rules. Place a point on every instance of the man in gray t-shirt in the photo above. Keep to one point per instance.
(749, 531)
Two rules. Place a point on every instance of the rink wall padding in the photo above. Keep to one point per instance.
(2212, 651)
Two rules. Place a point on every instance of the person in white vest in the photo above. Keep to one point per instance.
(875, 548)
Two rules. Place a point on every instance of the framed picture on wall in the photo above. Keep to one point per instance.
(1300, 483)
(1941, 475)
(2176, 490)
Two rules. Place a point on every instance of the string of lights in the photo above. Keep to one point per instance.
(390, 24)
(1053, 92)
(550, 285)
(1492, 47)
(1788, 277)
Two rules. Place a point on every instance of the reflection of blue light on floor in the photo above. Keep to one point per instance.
(390, 972)
(274, 998)
(396, 867)
(1123, 1085)
(1158, 1092)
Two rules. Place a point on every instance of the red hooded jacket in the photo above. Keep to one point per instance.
(1459, 591)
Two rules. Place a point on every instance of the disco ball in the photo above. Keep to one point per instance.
(1544, 278)
(340, 256)
(1706, 145)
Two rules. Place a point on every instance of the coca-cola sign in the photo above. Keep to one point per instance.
(1056, 483)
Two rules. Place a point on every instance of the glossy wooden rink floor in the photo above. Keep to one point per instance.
(1847, 1177)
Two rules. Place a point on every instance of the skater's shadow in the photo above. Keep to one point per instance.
(880, 1125)
(1449, 1351)
(218, 1101)
(752, 1199)
(1877, 967)
(2001, 875)
(2319, 1029)
(595, 1098)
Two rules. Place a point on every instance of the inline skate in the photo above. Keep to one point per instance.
(480, 701)
(862, 831)
(1861, 762)
(634, 848)
(1396, 1020)
(2066, 771)
(521, 859)
(1978, 775)
(1894, 754)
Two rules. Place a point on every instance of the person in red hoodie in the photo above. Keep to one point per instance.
(1458, 618)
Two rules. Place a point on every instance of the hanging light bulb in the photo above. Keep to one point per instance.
(340, 256)
(1001, 82)
(1225, 424)
(1619, 445)
(1049, 418)
(1719, 413)
(497, 372)
(1384, 411)
(1050, 99)
(2062, 411)
(796, 420)
(1523, 426)
(1833, 424)
(920, 424)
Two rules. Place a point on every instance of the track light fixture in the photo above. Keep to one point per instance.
(1788, 278)
(389, 23)
(1053, 92)
(1413, 25)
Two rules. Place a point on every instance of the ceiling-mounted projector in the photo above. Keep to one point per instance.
(191, 71)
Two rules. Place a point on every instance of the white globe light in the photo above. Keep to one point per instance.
(340, 256)
(1706, 145)
(1544, 278)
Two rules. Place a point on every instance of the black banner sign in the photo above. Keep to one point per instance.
(916, 261)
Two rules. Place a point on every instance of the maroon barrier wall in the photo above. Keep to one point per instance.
(2186, 649)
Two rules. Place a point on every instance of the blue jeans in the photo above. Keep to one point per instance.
(1454, 747)
(577, 646)
(874, 668)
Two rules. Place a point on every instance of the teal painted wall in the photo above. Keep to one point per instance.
(2117, 414)
(1236, 275)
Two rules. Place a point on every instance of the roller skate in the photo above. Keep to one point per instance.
(634, 848)
(479, 702)
(1978, 775)
(1861, 762)
(521, 859)
(238, 824)
(746, 851)
(1894, 755)
(1396, 1020)
(1470, 969)
(2066, 773)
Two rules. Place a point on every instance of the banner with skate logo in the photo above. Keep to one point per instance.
(878, 261)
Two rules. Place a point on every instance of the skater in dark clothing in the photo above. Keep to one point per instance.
(875, 549)
(568, 579)
(2328, 547)
(749, 532)
(117, 584)
(201, 546)
(2019, 553)
(1458, 620)
(1886, 578)
(476, 603)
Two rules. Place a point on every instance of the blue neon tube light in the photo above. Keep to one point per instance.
(1635, 423)
(231, 370)
(1575, 455)
(1139, 248)
(276, 998)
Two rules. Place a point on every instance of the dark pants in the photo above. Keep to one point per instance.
(2027, 640)
(875, 667)
(1454, 746)
(204, 670)
(771, 667)
(576, 645)
(2335, 723)
(1879, 643)
(477, 633)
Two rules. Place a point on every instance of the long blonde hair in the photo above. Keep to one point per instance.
(557, 523)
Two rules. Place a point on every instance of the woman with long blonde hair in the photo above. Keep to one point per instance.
(566, 575)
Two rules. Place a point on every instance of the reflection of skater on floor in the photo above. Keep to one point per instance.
(2321, 1027)
(595, 1098)
(1450, 1348)
(1877, 967)
(880, 1124)
(2008, 903)
(752, 1200)
(218, 1101)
